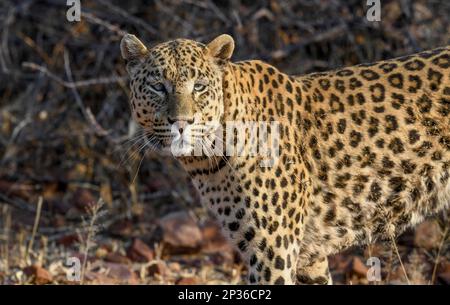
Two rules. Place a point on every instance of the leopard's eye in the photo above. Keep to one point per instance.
(159, 87)
(199, 87)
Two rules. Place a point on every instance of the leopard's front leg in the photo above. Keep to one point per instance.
(267, 247)
(271, 265)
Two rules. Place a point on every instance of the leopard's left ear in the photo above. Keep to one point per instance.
(221, 47)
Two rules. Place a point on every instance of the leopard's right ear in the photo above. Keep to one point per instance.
(133, 50)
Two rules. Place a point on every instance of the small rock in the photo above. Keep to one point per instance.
(357, 267)
(444, 278)
(101, 252)
(188, 281)
(427, 235)
(115, 257)
(39, 274)
(180, 233)
(99, 278)
(214, 243)
(175, 267)
(83, 199)
(122, 228)
(122, 273)
(140, 252)
(112, 273)
(444, 267)
(443, 273)
(68, 240)
(158, 267)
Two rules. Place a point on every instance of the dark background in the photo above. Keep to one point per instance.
(66, 136)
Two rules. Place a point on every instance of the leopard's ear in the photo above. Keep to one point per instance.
(133, 50)
(221, 47)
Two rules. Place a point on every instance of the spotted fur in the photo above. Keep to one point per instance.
(364, 150)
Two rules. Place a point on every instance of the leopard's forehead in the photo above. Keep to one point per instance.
(176, 58)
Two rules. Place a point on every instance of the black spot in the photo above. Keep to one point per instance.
(279, 281)
(414, 65)
(267, 274)
(339, 85)
(233, 226)
(240, 213)
(344, 72)
(391, 123)
(373, 126)
(262, 244)
(396, 145)
(442, 61)
(408, 167)
(416, 83)
(388, 67)
(378, 92)
(397, 100)
(397, 184)
(289, 86)
(414, 136)
(275, 198)
(424, 104)
(354, 83)
(396, 80)
(375, 192)
(355, 138)
(250, 234)
(242, 245)
(330, 215)
(341, 125)
(369, 74)
(279, 263)
(270, 253)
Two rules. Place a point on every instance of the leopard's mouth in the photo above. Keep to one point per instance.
(172, 144)
(193, 140)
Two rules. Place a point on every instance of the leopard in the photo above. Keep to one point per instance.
(363, 152)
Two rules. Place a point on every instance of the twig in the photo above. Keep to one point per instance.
(4, 250)
(76, 84)
(35, 227)
(18, 203)
(130, 18)
(441, 245)
(94, 19)
(85, 110)
(399, 258)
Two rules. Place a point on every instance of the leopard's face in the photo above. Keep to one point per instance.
(176, 92)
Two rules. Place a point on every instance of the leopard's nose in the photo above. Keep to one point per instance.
(180, 123)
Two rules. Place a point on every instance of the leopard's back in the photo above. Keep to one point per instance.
(377, 141)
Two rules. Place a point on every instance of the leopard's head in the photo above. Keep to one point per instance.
(176, 89)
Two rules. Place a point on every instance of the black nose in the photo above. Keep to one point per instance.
(181, 119)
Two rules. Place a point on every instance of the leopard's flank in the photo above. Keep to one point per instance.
(364, 151)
